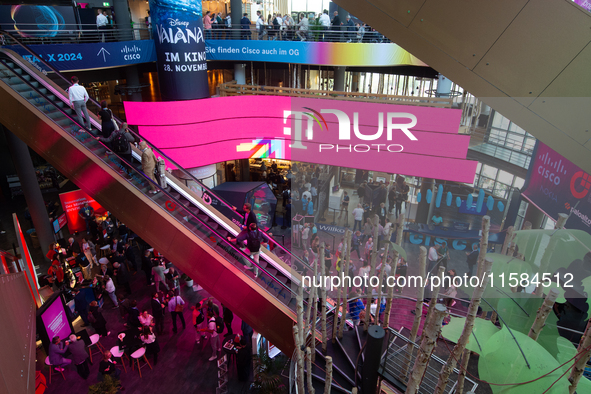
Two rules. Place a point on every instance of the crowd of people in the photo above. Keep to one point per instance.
(110, 281)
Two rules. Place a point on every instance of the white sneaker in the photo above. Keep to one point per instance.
(214, 357)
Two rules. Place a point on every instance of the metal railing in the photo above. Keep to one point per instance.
(29, 34)
(233, 89)
(229, 210)
(293, 33)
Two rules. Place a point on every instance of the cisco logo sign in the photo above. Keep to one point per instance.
(551, 170)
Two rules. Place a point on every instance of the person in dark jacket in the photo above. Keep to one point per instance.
(106, 115)
(158, 313)
(228, 317)
(133, 320)
(147, 267)
(121, 272)
(243, 358)
(107, 366)
(56, 354)
(79, 356)
(247, 332)
(124, 151)
(99, 323)
(81, 306)
(245, 27)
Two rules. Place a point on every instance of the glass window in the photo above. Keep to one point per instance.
(518, 183)
(513, 127)
(501, 190)
(478, 167)
(486, 183)
(514, 141)
(499, 121)
(490, 172)
(505, 177)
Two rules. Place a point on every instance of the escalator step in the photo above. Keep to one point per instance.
(193, 209)
(175, 195)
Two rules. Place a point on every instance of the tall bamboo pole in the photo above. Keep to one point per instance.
(542, 314)
(382, 274)
(418, 312)
(462, 374)
(323, 302)
(483, 243)
(432, 329)
(399, 233)
(434, 296)
(328, 381)
(545, 262)
(300, 312)
(309, 368)
(308, 319)
(508, 239)
(344, 274)
(447, 368)
(372, 271)
(299, 358)
(584, 352)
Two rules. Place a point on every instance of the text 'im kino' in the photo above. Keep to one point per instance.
(394, 121)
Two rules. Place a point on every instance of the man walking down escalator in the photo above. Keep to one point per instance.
(78, 98)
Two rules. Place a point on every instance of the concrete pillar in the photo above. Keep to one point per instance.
(339, 79)
(422, 215)
(443, 87)
(373, 356)
(355, 82)
(133, 81)
(240, 73)
(123, 20)
(236, 10)
(26, 173)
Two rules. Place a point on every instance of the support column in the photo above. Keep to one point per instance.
(443, 87)
(339, 79)
(240, 73)
(123, 21)
(372, 357)
(355, 82)
(26, 173)
(422, 215)
(133, 83)
(236, 11)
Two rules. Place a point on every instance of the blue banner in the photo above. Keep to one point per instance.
(177, 29)
(67, 57)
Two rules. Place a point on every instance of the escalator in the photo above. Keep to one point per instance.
(176, 221)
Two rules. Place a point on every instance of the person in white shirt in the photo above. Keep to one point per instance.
(324, 23)
(78, 98)
(303, 27)
(101, 19)
(214, 337)
(358, 216)
(287, 24)
(305, 235)
(433, 257)
(260, 25)
(146, 319)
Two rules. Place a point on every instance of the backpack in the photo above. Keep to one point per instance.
(253, 241)
(219, 324)
(120, 143)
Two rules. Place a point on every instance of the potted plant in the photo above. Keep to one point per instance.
(267, 375)
(107, 386)
(187, 280)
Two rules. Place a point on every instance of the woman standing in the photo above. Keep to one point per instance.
(96, 318)
(106, 115)
(149, 339)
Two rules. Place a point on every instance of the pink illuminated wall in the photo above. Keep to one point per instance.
(416, 141)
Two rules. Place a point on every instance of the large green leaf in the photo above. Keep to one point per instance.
(502, 362)
(482, 332)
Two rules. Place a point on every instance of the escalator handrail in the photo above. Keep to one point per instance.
(235, 248)
(139, 136)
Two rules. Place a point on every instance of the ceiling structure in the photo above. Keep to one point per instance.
(528, 59)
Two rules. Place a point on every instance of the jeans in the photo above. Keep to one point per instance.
(80, 107)
(215, 343)
(173, 315)
(357, 223)
(113, 298)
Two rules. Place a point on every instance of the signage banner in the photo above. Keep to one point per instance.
(323, 53)
(60, 222)
(68, 57)
(177, 29)
(71, 204)
(410, 140)
(37, 20)
(556, 186)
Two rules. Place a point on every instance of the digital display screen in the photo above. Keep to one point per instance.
(56, 321)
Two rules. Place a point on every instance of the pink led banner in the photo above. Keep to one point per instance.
(412, 140)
